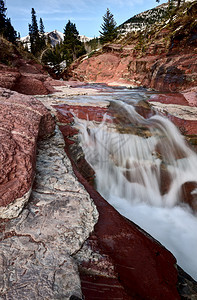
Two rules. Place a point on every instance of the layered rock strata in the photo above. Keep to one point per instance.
(162, 57)
(138, 267)
(172, 73)
(27, 77)
(179, 110)
(23, 120)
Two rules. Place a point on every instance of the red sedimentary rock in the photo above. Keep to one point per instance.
(187, 125)
(188, 195)
(163, 73)
(144, 269)
(67, 112)
(27, 77)
(23, 120)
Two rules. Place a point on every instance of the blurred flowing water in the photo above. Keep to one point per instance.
(141, 171)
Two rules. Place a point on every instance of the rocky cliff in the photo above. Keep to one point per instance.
(162, 57)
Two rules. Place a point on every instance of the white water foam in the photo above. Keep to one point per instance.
(129, 170)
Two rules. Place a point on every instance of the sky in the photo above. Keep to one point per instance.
(86, 14)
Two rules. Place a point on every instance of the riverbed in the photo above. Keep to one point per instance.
(172, 223)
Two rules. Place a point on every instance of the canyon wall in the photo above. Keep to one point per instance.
(162, 57)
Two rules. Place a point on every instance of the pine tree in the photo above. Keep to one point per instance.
(48, 41)
(9, 32)
(2, 16)
(34, 33)
(6, 28)
(109, 30)
(72, 46)
(42, 36)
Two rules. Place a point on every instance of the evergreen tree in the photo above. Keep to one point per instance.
(34, 33)
(72, 46)
(6, 28)
(109, 30)
(42, 36)
(9, 32)
(2, 17)
(48, 41)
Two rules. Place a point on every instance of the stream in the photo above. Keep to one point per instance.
(141, 171)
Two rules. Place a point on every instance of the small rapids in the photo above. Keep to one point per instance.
(141, 172)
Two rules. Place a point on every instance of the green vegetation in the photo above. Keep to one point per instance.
(37, 38)
(63, 54)
(175, 32)
(72, 47)
(6, 28)
(109, 29)
(42, 36)
(53, 57)
(155, 23)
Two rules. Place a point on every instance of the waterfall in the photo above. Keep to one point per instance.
(140, 169)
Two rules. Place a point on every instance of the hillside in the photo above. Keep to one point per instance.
(58, 235)
(140, 21)
(162, 57)
(145, 19)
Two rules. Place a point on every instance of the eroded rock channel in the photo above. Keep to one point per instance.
(64, 245)
(36, 247)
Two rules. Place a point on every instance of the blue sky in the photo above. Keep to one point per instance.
(86, 14)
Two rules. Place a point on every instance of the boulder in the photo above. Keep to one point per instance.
(23, 120)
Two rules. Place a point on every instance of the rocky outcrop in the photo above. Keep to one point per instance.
(23, 120)
(36, 247)
(180, 110)
(19, 71)
(119, 259)
(163, 73)
(27, 77)
(162, 57)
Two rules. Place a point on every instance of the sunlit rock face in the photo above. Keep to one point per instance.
(153, 71)
(23, 120)
(162, 57)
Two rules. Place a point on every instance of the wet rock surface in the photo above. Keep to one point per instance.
(131, 256)
(144, 268)
(181, 109)
(23, 120)
(36, 247)
(139, 267)
(99, 279)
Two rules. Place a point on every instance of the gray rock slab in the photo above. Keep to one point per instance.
(36, 248)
